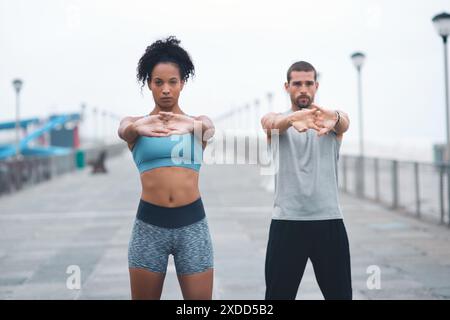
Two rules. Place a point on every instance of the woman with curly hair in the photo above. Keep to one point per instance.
(167, 146)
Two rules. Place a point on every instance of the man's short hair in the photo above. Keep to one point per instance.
(301, 66)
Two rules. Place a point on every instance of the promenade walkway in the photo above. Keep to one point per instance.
(85, 220)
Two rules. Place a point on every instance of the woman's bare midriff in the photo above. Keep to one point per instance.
(170, 186)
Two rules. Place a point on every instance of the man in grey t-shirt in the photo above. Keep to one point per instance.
(307, 221)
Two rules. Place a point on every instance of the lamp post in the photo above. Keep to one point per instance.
(104, 126)
(17, 84)
(83, 111)
(82, 123)
(358, 61)
(255, 116)
(112, 122)
(442, 24)
(95, 123)
(269, 101)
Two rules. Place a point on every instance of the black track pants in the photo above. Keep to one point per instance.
(290, 245)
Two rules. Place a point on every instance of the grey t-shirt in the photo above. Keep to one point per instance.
(306, 182)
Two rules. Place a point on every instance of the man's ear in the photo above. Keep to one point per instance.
(317, 86)
(286, 86)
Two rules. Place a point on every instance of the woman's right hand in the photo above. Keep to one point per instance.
(151, 126)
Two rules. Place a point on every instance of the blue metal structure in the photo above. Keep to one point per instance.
(53, 122)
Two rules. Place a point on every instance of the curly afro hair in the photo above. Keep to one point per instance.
(166, 50)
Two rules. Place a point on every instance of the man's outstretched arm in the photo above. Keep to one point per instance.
(275, 121)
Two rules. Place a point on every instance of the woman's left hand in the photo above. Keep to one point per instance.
(177, 123)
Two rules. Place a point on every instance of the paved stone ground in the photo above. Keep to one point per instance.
(85, 220)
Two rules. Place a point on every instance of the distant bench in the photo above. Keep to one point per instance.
(98, 165)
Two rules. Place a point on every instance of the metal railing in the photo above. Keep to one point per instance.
(417, 188)
(15, 174)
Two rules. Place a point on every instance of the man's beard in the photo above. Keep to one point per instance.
(303, 104)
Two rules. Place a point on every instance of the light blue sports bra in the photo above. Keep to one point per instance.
(173, 151)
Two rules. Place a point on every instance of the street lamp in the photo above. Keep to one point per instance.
(83, 111)
(104, 125)
(269, 101)
(17, 84)
(95, 123)
(255, 116)
(358, 60)
(442, 24)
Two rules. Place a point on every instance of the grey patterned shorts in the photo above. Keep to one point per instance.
(191, 246)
